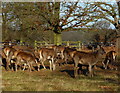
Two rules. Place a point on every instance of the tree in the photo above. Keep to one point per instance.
(105, 31)
(48, 16)
(118, 30)
(109, 12)
(20, 22)
(38, 17)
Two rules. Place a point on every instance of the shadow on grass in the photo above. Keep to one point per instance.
(71, 72)
(112, 81)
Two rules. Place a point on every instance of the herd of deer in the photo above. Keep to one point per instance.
(23, 56)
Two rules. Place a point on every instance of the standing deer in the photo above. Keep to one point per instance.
(47, 54)
(9, 51)
(2, 58)
(109, 59)
(68, 54)
(87, 58)
(59, 50)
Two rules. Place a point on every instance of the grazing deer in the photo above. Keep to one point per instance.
(87, 58)
(109, 58)
(47, 54)
(26, 59)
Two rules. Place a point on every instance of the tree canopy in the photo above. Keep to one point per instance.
(31, 21)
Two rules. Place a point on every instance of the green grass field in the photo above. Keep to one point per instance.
(59, 80)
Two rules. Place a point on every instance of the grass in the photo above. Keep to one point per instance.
(46, 80)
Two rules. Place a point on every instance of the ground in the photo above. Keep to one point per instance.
(62, 79)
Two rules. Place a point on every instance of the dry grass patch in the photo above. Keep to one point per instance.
(46, 80)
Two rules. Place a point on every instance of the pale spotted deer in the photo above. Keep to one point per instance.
(87, 58)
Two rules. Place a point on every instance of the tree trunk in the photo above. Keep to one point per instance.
(118, 43)
(118, 34)
(57, 39)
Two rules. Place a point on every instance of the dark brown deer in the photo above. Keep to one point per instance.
(87, 58)
(47, 54)
(68, 54)
(109, 59)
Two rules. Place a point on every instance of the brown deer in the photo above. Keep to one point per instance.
(26, 59)
(9, 51)
(68, 54)
(109, 59)
(47, 54)
(2, 58)
(23, 48)
(59, 50)
(87, 58)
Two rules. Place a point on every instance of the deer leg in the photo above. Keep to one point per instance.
(43, 64)
(80, 69)
(76, 70)
(53, 66)
(90, 71)
(32, 68)
(50, 61)
(107, 64)
(7, 64)
(24, 67)
(15, 67)
(93, 69)
(29, 67)
(12, 66)
(53, 63)
(38, 65)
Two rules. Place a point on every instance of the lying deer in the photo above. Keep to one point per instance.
(87, 58)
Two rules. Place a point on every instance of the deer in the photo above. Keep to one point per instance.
(47, 54)
(2, 58)
(109, 59)
(59, 50)
(25, 58)
(87, 58)
(8, 51)
(68, 54)
(23, 48)
(12, 52)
